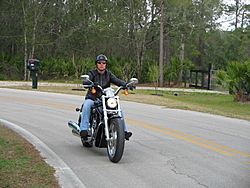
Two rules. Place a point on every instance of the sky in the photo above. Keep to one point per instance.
(223, 19)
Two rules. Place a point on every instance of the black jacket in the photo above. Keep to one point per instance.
(104, 81)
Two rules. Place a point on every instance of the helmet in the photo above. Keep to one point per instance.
(101, 57)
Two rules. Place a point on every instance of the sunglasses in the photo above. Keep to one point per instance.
(101, 63)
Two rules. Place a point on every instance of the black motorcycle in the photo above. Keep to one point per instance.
(106, 127)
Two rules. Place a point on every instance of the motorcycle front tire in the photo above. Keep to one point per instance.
(115, 146)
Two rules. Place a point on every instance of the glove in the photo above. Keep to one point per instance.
(130, 86)
(96, 83)
(85, 82)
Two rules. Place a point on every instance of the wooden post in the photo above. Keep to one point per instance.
(209, 75)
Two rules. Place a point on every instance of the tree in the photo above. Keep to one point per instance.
(32, 15)
(154, 75)
(207, 13)
(126, 31)
(143, 21)
(239, 10)
(161, 44)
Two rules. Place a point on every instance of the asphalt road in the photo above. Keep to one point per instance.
(169, 147)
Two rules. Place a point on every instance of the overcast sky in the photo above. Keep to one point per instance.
(223, 20)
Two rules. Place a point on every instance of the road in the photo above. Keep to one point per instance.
(169, 147)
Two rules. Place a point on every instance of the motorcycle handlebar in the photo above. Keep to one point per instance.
(116, 92)
(94, 85)
(86, 86)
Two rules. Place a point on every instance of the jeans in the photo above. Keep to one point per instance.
(86, 111)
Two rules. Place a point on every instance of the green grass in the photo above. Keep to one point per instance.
(219, 104)
(21, 164)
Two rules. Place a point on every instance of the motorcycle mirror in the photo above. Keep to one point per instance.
(133, 80)
(85, 77)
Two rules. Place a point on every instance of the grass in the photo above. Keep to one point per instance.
(22, 166)
(218, 104)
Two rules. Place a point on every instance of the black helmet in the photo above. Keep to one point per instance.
(101, 57)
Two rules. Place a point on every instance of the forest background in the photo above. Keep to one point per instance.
(153, 40)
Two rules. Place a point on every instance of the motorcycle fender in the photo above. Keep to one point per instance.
(103, 141)
(113, 117)
(100, 139)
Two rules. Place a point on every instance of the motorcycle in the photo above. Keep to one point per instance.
(106, 128)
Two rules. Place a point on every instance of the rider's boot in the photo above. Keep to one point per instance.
(127, 135)
(84, 135)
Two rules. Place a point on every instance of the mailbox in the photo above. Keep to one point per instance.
(33, 64)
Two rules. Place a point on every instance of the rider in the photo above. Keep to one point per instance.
(102, 77)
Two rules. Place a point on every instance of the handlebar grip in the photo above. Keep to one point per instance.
(87, 86)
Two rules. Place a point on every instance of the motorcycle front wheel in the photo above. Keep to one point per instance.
(117, 140)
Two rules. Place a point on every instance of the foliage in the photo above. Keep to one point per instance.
(2, 77)
(11, 67)
(236, 79)
(172, 71)
(154, 75)
(66, 36)
(123, 68)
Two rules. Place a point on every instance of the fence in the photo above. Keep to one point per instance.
(201, 78)
(204, 79)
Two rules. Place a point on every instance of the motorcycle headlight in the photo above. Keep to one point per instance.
(111, 103)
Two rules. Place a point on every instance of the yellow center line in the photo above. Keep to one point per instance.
(184, 138)
(150, 126)
(140, 123)
(40, 102)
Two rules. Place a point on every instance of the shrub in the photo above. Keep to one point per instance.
(236, 79)
(2, 77)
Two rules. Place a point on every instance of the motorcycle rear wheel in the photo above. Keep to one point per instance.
(115, 146)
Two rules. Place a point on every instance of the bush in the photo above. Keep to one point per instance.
(236, 79)
(2, 77)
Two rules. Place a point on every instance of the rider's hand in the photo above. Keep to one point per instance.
(130, 86)
(96, 83)
(85, 82)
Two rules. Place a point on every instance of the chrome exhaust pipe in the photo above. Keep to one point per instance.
(74, 126)
(75, 133)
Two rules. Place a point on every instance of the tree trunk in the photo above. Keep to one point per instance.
(179, 82)
(26, 72)
(140, 59)
(161, 45)
(168, 41)
(236, 14)
(200, 49)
